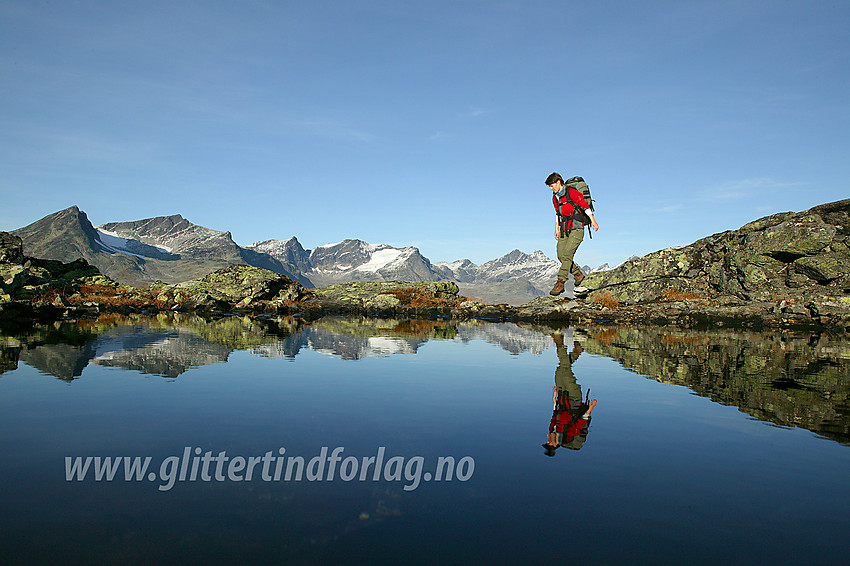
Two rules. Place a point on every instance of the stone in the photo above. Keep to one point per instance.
(802, 235)
(766, 222)
(823, 268)
(11, 248)
(383, 302)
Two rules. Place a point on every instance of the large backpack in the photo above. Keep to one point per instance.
(580, 185)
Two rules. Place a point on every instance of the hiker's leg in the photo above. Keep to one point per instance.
(565, 259)
(565, 380)
(566, 251)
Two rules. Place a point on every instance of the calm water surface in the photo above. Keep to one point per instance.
(704, 447)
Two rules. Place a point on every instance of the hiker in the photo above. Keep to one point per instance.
(570, 416)
(570, 233)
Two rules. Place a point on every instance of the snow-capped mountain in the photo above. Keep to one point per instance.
(169, 235)
(290, 252)
(351, 260)
(165, 248)
(535, 268)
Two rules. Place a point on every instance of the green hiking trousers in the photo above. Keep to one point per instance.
(567, 246)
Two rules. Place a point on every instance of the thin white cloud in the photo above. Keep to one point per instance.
(733, 190)
(670, 208)
(335, 129)
(58, 146)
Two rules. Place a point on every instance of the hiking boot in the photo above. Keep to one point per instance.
(558, 288)
(578, 278)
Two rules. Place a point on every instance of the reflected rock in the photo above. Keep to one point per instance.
(785, 378)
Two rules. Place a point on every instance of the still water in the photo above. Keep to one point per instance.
(404, 441)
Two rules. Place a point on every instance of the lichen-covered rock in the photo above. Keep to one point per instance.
(11, 248)
(802, 235)
(764, 223)
(382, 302)
(792, 257)
(545, 307)
(823, 268)
(236, 286)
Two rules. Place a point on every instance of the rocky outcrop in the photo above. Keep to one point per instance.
(31, 287)
(794, 264)
(238, 287)
(429, 299)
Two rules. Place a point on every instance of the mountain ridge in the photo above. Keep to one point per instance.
(114, 248)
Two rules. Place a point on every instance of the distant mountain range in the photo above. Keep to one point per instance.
(173, 250)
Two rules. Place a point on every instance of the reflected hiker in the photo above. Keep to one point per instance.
(570, 416)
(573, 213)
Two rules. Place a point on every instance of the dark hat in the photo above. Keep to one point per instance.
(554, 178)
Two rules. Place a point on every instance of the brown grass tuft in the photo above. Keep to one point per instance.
(109, 296)
(672, 295)
(605, 300)
(413, 297)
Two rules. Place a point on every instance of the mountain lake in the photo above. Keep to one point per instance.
(175, 439)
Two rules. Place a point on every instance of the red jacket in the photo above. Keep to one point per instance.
(563, 420)
(566, 208)
(569, 428)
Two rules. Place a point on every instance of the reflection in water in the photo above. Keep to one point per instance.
(790, 379)
(570, 416)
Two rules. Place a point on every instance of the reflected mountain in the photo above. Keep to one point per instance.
(169, 345)
(508, 336)
(165, 345)
(789, 379)
(167, 353)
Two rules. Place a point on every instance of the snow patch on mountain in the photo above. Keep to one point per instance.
(113, 240)
(112, 243)
(381, 258)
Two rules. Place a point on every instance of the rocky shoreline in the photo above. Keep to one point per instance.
(790, 270)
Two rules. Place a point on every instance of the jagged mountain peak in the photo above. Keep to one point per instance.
(166, 248)
(356, 260)
(63, 234)
(289, 252)
(276, 243)
(514, 255)
(173, 233)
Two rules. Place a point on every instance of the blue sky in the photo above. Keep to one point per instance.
(432, 124)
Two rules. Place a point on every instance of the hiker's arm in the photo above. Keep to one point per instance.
(592, 220)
